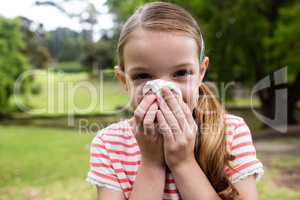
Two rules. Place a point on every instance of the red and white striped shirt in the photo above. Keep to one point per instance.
(115, 157)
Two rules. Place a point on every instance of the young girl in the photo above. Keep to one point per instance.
(171, 148)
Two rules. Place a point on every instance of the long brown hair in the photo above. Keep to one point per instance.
(209, 113)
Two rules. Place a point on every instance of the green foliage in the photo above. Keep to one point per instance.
(35, 50)
(234, 31)
(99, 55)
(70, 50)
(12, 61)
(284, 46)
(65, 44)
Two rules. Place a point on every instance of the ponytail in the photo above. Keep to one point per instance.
(210, 143)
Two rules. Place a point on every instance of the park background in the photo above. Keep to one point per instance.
(44, 140)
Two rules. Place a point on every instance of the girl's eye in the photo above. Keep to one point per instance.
(183, 73)
(141, 76)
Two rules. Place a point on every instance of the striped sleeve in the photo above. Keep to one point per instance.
(245, 163)
(101, 172)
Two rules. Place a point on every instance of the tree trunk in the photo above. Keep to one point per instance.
(293, 98)
(267, 99)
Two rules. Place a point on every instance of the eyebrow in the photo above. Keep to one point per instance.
(184, 64)
(140, 68)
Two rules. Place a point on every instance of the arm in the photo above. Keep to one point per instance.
(104, 193)
(150, 180)
(247, 188)
(149, 184)
(249, 167)
(192, 182)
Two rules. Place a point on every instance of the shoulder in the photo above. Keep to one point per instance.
(233, 120)
(117, 139)
(237, 131)
(117, 130)
(240, 145)
(235, 124)
(107, 154)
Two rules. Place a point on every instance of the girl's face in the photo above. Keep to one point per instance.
(170, 56)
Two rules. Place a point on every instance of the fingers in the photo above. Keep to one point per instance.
(148, 122)
(188, 114)
(169, 117)
(176, 108)
(178, 136)
(143, 107)
(164, 128)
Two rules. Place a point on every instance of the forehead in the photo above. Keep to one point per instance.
(161, 49)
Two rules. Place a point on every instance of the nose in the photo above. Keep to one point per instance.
(155, 86)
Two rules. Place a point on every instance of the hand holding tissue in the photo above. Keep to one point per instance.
(156, 87)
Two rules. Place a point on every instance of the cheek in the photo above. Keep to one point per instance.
(195, 98)
(190, 94)
(136, 95)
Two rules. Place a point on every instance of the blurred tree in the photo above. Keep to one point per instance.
(99, 55)
(65, 44)
(34, 38)
(12, 61)
(96, 55)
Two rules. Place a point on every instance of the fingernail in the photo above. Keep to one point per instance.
(165, 91)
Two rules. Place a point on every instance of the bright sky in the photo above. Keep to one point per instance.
(51, 17)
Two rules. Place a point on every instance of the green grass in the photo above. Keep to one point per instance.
(243, 102)
(268, 190)
(49, 163)
(70, 93)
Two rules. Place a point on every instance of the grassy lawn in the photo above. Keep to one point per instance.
(282, 164)
(49, 163)
(40, 163)
(62, 93)
(243, 102)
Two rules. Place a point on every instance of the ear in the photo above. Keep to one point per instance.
(203, 67)
(120, 76)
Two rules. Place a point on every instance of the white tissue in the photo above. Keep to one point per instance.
(156, 85)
